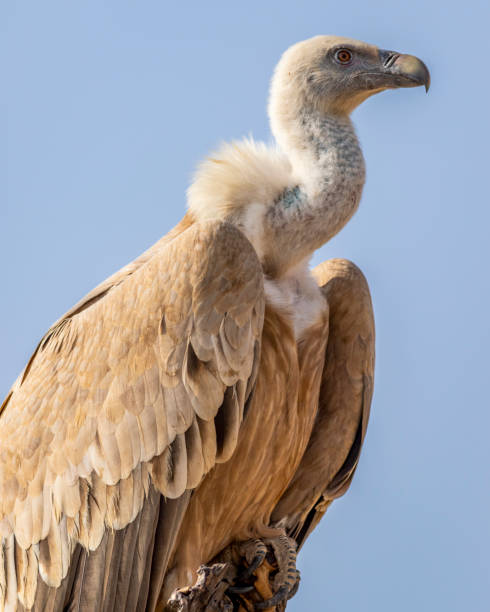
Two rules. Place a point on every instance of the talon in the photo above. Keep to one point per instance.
(240, 588)
(285, 553)
(255, 560)
(286, 581)
(276, 556)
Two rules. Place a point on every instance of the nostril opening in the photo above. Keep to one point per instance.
(391, 59)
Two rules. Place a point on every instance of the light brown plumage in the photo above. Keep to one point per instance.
(332, 455)
(213, 390)
(143, 387)
(305, 427)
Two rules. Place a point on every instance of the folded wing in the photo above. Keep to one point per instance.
(141, 386)
(332, 454)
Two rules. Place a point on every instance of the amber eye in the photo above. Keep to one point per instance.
(343, 56)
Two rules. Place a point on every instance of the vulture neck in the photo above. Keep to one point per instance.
(328, 170)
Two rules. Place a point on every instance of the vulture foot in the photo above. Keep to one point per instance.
(270, 573)
(254, 552)
(286, 580)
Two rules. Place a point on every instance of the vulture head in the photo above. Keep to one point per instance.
(334, 75)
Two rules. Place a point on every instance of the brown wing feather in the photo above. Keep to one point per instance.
(124, 391)
(332, 454)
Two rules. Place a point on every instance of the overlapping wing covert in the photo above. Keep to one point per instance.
(144, 384)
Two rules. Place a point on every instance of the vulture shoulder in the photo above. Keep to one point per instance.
(143, 383)
(331, 457)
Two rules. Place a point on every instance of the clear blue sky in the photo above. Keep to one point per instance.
(109, 105)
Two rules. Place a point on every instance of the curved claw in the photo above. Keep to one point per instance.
(255, 563)
(240, 588)
(286, 577)
(281, 595)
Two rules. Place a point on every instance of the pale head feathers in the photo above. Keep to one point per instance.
(308, 79)
(311, 76)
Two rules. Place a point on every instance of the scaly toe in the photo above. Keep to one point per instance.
(254, 552)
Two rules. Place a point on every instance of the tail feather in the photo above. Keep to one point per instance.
(132, 562)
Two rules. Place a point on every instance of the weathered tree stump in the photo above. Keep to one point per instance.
(208, 594)
(211, 593)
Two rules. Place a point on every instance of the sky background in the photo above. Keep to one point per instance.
(106, 109)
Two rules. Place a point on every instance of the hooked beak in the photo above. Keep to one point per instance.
(400, 70)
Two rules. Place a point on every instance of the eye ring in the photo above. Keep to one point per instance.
(343, 56)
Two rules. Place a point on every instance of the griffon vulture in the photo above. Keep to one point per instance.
(213, 391)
